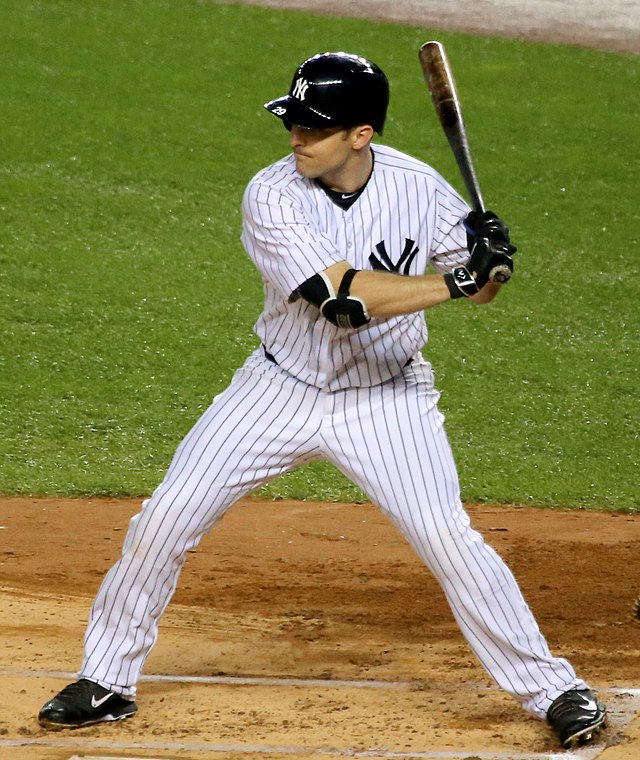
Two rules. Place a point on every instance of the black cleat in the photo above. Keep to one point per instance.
(577, 717)
(83, 703)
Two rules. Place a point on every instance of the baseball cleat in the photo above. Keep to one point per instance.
(577, 717)
(83, 703)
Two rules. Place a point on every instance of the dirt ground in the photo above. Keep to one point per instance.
(346, 640)
(302, 630)
(612, 25)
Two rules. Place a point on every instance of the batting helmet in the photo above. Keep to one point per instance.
(334, 90)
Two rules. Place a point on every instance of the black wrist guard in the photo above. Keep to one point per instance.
(461, 283)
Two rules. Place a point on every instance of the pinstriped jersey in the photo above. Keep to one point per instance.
(407, 219)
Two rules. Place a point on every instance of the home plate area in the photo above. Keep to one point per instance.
(420, 732)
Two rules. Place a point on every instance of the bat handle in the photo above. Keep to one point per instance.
(468, 173)
(477, 203)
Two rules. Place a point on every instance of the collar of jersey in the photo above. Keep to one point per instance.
(346, 200)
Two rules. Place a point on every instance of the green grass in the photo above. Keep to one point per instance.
(129, 132)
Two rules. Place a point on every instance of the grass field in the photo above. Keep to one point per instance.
(129, 132)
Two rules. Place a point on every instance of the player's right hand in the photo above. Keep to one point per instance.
(488, 224)
(491, 255)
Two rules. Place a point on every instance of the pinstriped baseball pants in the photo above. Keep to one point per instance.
(390, 441)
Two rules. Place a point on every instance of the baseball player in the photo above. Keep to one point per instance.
(354, 241)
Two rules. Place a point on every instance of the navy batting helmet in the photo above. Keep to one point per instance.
(334, 90)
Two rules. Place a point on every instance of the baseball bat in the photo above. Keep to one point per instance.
(442, 87)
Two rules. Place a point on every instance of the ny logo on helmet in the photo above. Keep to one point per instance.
(300, 89)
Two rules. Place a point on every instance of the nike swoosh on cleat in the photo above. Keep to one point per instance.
(590, 704)
(95, 703)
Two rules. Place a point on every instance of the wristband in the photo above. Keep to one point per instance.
(461, 283)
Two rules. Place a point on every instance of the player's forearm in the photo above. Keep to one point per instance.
(390, 295)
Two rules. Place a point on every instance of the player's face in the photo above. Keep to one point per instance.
(322, 153)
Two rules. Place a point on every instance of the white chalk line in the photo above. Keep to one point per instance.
(241, 680)
(93, 744)
(623, 716)
(328, 683)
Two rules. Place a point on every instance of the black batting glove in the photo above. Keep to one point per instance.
(490, 261)
(485, 224)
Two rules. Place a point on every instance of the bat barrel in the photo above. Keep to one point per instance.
(442, 88)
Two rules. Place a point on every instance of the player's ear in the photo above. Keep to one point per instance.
(361, 136)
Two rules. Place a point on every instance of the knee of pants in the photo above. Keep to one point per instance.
(450, 549)
(164, 531)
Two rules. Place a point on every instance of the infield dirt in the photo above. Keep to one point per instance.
(312, 591)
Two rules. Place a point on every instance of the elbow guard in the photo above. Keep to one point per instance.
(340, 308)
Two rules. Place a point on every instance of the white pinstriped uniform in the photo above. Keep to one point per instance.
(404, 201)
(348, 396)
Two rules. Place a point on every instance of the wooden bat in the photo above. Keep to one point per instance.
(441, 84)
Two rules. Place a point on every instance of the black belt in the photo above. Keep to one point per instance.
(269, 356)
(272, 358)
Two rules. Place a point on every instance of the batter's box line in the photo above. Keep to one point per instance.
(589, 753)
(623, 714)
(414, 685)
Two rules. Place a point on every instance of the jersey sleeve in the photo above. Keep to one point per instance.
(281, 238)
(449, 247)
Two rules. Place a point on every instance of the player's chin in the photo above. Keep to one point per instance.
(306, 167)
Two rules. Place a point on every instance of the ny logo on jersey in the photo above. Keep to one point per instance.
(404, 262)
(300, 89)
